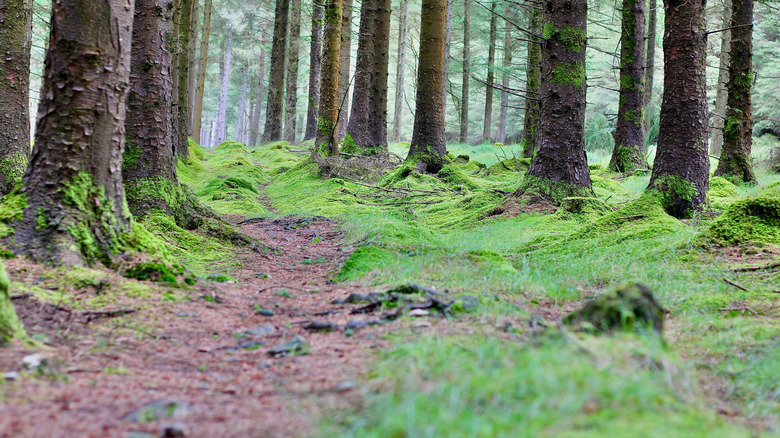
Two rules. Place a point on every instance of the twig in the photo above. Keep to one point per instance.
(757, 268)
(20, 297)
(738, 286)
(728, 28)
(738, 309)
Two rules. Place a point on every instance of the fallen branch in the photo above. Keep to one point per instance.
(738, 286)
(92, 314)
(20, 297)
(738, 309)
(757, 268)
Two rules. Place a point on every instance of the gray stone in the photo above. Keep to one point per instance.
(161, 409)
(470, 303)
(174, 430)
(357, 325)
(139, 435)
(296, 345)
(321, 326)
(262, 330)
(345, 386)
(265, 312)
(10, 377)
(36, 362)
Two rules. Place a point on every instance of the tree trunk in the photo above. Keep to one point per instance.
(560, 167)
(220, 122)
(403, 30)
(197, 118)
(629, 135)
(345, 60)
(650, 59)
(273, 113)
(464, 99)
(505, 81)
(186, 48)
(358, 129)
(314, 70)
(488, 121)
(533, 84)
(291, 109)
(254, 130)
(378, 110)
(10, 327)
(736, 162)
(15, 31)
(681, 168)
(428, 147)
(326, 142)
(194, 60)
(242, 116)
(447, 56)
(75, 198)
(721, 99)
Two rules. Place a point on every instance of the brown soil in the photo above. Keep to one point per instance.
(105, 368)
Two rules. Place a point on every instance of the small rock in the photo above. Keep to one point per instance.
(10, 377)
(321, 326)
(419, 312)
(421, 324)
(357, 325)
(175, 430)
(139, 435)
(262, 330)
(470, 303)
(345, 386)
(296, 345)
(253, 345)
(166, 408)
(35, 362)
(230, 282)
(265, 312)
(262, 275)
(187, 314)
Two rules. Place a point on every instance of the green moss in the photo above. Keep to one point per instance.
(133, 153)
(454, 176)
(160, 272)
(534, 187)
(572, 74)
(627, 159)
(582, 209)
(627, 308)
(721, 188)
(364, 260)
(549, 31)
(10, 326)
(13, 168)
(731, 128)
(196, 152)
(431, 159)
(573, 38)
(494, 260)
(677, 194)
(161, 193)
(349, 146)
(511, 165)
(753, 220)
(80, 277)
(12, 208)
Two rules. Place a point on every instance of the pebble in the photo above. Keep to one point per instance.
(296, 345)
(166, 408)
(321, 326)
(266, 312)
(419, 312)
(173, 431)
(345, 386)
(35, 362)
(10, 377)
(262, 330)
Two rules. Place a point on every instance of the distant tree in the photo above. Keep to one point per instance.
(533, 83)
(447, 52)
(629, 134)
(487, 124)
(197, 117)
(464, 99)
(345, 60)
(681, 168)
(736, 162)
(242, 105)
(560, 168)
(428, 148)
(220, 121)
(378, 110)
(293, 44)
(502, 118)
(254, 129)
(186, 50)
(314, 70)
(652, 22)
(326, 141)
(76, 210)
(400, 76)
(718, 114)
(15, 29)
(273, 112)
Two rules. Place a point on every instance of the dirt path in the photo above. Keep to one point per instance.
(199, 352)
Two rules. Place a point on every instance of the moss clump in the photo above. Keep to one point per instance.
(220, 278)
(428, 160)
(751, 220)
(626, 159)
(80, 278)
(133, 153)
(232, 146)
(509, 166)
(721, 188)
(12, 208)
(536, 188)
(677, 195)
(365, 260)
(196, 153)
(159, 272)
(627, 308)
(454, 176)
(349, 146)
(492, 259)
(158, 193)
(582, 209)
(13, 168)
(10, 326)
(572, 74)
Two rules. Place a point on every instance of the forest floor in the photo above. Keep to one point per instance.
(128, 358)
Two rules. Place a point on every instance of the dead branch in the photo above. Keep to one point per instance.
(738, 286)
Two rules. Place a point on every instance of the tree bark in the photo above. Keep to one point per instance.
(428, 147)
(345, 60)
(378, 110)
(721, 97)
(314, 70)
(464, 99)
(736, 162)
(533, 84)
(560, 167)
(194, 60)
(220, 122)
(681, 168)
(650, 59)
(447, 55)
(186, 48)
(75, 198)
(291, 109)
(15, 38)
(326, 141)
(505, 81)
(242, 116)
(629, 134)
(487, 124)
(358, 128)
(273, 113)
(403, 31)
(254, 130)
(197, 118)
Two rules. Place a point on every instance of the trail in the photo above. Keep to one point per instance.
(198, 352)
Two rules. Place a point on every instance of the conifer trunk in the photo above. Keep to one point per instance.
(488, 120)
(378, 110)
(428, 148)
(15, 31)
(735, 161)
(403, 30)
(629, 134)
(291, 109)
(447, 55)
(73, 184)
(464, 99)
(721, 96)
(220, 122)
(315, 59)
(652, 21)
(242, 116)
(358, 128)
(502, 119)
(345, 60)
(533, 83)
(560, 168)
(197, 117)
(326, 141)
(681, 168)
(254, 130)
(186, 49)
(273, 112)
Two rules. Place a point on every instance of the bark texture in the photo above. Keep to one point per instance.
(186, 50)
(464, 97)
(722, 94)
(533, 83)
(241, 119)
(358, 128)
(629, 134)
(400, 73)
(254, 130)
(378, 114)
(220, 121)
(447, 54)
(75, 198)
(326, 142)
(487, 124)
(345, 60)
(15, 34)
(560, 168)
(273, 112)
(428, 148)
(502, 118)
(735, 161)
(652, 21)
(681, 168)
(197, 117)
(314, 70)
(291, 109)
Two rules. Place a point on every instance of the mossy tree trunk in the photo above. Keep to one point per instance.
(629, 134)
(400, 75)
(735, 161)
(447, 50)
(721, 97)
(378, 111)
(197, 118)
(560, 167)
(502, 118)
(464, 97)
(254, 129)
(487, 124)
(681, 168)
(242, 116)
(15, 29)
(314, 70)
(345, 60)
(326, 141)
(220, 120)
(10, 327)
(186, 50)
(533, 83)
(76, 210)
(273, 112)
(652, 23)
(293, 46)
(358, 128)
(428, 149)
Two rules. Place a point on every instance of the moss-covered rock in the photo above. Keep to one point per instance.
(160, 272)
(627, 308)
(454, 176)
(364, 260)
(537, 189)
(753, 220)
(10, 326)
(583, 209)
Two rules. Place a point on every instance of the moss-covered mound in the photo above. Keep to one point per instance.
(753, 220)
(626, 308)
(582, 209)
(364, 260)
(10, 327)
